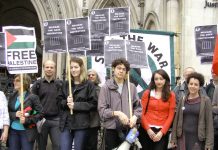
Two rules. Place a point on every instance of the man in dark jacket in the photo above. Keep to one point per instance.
(210, 89)
(47, 89)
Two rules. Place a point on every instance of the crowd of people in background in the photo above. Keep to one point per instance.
(73, 113)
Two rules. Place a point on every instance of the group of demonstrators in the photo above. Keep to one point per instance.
(74, 120)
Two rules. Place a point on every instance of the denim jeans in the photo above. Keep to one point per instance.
(51, 128)
(78, 136)
(18, 140)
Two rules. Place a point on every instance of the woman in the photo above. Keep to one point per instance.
(4, 118)
(193, 124)
(94, 77)
(23, 130)
(75, 127)
(158, 104)
(94, 116)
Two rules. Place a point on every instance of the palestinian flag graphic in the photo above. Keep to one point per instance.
(20, 49)
(22, 38)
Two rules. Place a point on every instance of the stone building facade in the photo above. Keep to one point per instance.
(179, 16)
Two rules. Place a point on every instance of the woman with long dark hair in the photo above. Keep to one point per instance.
(158, 108)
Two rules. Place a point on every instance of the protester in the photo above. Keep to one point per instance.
(215, 109)
(113, 105)
(4, 118)
(182, 90)
(94, 116)
(47, 89)
(210, 89)
(193, 123)
(23, 130)
(75, 127)
(158, 108)
(178, 81)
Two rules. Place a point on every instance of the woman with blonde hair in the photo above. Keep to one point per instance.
(74, 127)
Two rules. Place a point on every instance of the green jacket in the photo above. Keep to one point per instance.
(205, 122)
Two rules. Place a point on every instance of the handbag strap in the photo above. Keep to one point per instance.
(149, 95)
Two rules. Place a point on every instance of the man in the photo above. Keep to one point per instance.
(113, 105)
(215, 109)
(182, 89)
(47, 89)
(210, 89)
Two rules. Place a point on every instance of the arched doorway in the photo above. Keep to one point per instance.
(19, 13)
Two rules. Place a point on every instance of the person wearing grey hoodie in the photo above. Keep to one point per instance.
(113, 105)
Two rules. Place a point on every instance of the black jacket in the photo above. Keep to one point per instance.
(210, 90)
(48, 92)
(94, 115)
(30, 100)
(85, 100)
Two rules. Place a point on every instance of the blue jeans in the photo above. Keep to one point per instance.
(18, 140)
(79, 137)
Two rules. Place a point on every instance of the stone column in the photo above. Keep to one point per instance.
(85, 10)
(173, 25)
(141, 5)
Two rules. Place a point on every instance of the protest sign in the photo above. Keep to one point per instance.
(20, 49)
(205, 38)
(78, 35)
(119, 21)
(133, 51)
(113, 49)
(99, 19)
(2, 50)
(97, 47)
(54, 36)
(136, 54)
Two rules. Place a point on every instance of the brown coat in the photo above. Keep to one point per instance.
(205, 123)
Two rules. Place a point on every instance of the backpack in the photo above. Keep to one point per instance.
(58, 83)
